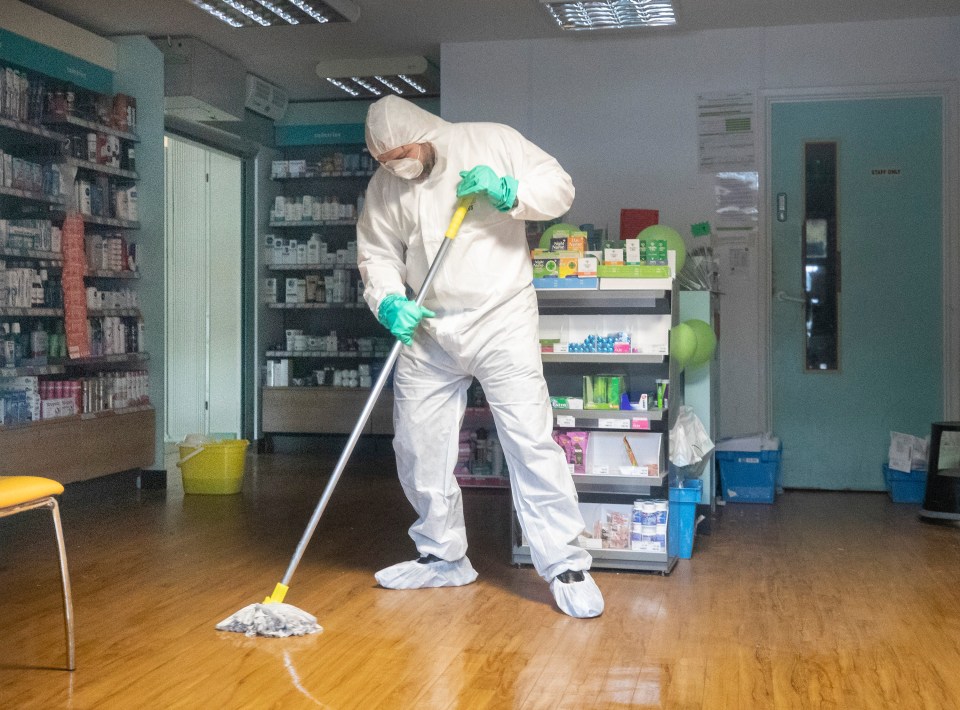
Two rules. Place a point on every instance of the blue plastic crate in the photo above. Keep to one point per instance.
(749, 476)
(905, 487)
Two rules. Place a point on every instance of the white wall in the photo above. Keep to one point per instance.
(619, 113)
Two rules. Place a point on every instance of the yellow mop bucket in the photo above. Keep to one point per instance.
(213, 467)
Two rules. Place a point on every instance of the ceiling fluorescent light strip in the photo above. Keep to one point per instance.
(366, 85)
(389, 84)
(222, 16)
(240, 7)
(279, 12)
(414, 85)
(340, 85)
(611, 14)
(314, 13)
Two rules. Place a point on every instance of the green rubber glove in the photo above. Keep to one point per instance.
(501, 191)
(401, 316)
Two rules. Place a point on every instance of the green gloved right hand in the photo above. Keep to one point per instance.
(401, 316)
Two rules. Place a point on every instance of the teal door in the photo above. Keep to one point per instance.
(856, 312)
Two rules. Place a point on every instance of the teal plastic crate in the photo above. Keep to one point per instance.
(749, 476)
(905, 487)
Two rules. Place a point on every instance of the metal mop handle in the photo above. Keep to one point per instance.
(462, 206)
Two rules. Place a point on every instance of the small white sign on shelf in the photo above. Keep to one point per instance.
(613, 423)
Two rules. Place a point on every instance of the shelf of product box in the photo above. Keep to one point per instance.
(620, 485)
(33, 196)
(113, 312)
(62, 121)
(115, 359)
(311, 267)
(613, 559)
(602, 358)
(106, 274)
(482, 481)
(31, 371)
(314, 306)
(26, 133)
(101, 168)
(54, 258)
(322, 353)
(634, 299)
(325, 176)
(321, 223)
(7, 311)
(627, 419)
(91, 219)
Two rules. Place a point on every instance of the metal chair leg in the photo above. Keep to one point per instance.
(65, 578)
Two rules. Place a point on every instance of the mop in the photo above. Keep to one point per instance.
(273, 617)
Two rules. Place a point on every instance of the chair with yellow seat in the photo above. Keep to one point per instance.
(21, 493)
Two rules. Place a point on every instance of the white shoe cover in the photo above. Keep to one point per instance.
(582, 600)
(413, 575)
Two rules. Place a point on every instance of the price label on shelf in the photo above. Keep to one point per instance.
(613, 423)
(565, 420)
(641, 423)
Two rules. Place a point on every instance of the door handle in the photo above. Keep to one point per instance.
(784, 298)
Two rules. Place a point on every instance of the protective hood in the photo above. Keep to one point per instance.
(393, 122)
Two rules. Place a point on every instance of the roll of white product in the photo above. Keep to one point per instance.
(663, 508)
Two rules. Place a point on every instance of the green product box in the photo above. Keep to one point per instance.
(603, 391)
(542, 268)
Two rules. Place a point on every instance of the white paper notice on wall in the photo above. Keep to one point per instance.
(737, 197)
(725, 131)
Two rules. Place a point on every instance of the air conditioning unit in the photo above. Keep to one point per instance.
(200, 83)
(265, 98)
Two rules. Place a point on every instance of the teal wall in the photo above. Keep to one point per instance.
(25, 52)
(330, 122)
(140, 74)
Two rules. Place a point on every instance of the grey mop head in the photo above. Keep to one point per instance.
(274, 619)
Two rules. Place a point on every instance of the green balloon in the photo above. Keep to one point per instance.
(683, 344)
(706, 342)
(671, 236)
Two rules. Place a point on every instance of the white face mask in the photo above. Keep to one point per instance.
(406, 168)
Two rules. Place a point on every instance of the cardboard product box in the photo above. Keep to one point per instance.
(603, 391)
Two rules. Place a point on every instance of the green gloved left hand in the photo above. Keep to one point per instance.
(501, 191)
(401, 316)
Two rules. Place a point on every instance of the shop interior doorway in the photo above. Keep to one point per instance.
(203, 252)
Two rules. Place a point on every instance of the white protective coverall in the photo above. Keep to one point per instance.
(486, 326)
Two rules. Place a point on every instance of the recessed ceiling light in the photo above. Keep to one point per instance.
(269, 13)
(611, 14)
(366, 77)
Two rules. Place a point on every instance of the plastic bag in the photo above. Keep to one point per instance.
(689, 441)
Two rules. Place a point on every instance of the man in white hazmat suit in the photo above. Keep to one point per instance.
(479, 320)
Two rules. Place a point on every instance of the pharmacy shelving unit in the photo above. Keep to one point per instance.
(91, 443)
(651, 309)
(302, 406)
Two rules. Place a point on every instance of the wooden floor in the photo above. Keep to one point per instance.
(832, 600)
